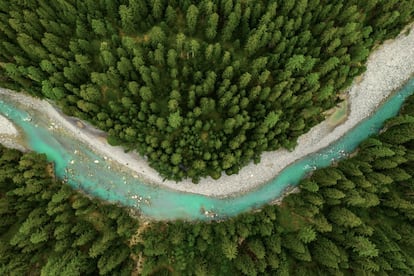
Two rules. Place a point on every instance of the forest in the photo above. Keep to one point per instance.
(353, 218)
(198, 87)
(48, 228)
(201, 88)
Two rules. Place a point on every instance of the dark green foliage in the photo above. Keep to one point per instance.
(352, 219)
(199, 87)
(355, 218)
(47, 228)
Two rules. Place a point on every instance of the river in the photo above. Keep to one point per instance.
(83, 169)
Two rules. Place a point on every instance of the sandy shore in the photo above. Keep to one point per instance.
(388, 68)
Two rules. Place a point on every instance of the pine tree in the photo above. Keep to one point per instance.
(212, 23)
(191, 18)
(344, 217)
(230, 250)
(127, 19)
(157, 9)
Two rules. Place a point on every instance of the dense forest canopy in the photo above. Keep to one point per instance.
(354, 218)
(197, 86)
(48, 228)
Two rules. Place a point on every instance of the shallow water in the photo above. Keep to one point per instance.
(83, 169)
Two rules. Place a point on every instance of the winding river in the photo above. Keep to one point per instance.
(83, 169)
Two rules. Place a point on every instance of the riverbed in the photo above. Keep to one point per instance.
(84, 160)
(97, 175)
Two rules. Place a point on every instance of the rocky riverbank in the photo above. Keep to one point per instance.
(388, 68)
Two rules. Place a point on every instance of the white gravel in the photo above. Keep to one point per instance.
(388, 68)
(9, 135)
(7, 128)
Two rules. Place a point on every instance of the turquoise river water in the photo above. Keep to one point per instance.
(85, 170)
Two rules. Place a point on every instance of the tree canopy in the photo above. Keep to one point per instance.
(47, 228)
(353, 218)
(203, 82)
